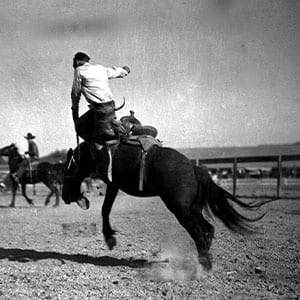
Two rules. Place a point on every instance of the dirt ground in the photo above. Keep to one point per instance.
(154, 258)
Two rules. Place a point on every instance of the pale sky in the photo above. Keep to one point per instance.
(205, 73)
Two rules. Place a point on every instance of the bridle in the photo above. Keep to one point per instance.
(69, 164)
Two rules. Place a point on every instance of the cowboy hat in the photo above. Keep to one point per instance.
(29, 136)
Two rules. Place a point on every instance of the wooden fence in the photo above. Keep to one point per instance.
(279, 159)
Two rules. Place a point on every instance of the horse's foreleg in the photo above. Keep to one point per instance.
(30, 202)
(108, 232)
(56, 197)
(14, 188)
(34, 190)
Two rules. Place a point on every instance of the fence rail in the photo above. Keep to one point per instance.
(279, 159)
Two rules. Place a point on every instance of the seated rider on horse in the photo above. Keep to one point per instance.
(99, 124)
(30, 156)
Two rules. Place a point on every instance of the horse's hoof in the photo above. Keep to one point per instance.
(11, 205)
(56, 205)
(205, 262)
(111, 242)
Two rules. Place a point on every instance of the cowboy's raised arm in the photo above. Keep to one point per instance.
(117, 72)
(75, 95)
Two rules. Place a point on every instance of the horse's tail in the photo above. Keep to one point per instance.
(218, 201)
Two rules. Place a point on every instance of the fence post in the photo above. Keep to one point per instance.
(279, 168)
(234, 175)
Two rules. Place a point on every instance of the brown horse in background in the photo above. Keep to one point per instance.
(49, 174)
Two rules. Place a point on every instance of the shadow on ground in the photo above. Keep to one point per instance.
(27, 255)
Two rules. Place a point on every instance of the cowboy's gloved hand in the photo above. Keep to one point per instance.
(126, 69)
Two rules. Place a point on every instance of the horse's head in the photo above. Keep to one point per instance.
(14, 157)
(7, 150)
(71, 185)
(77, 167)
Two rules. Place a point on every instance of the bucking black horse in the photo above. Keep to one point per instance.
(141, 167)
(49, 174)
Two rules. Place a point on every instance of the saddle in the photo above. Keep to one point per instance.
(33, 165)
(143, 136)
(28, 165)
(145, 142)
(134, 134)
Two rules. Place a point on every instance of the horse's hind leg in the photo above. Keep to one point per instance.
(53, 190)
(208, 229)
(202, 235)
(47, 201)
(195, 224)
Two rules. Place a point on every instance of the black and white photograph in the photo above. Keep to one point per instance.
(150, 149)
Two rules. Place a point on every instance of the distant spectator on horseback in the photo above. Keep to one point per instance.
(31, 155)
(99, 124)
(33, 150)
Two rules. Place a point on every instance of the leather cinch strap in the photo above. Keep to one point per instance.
(142, 170)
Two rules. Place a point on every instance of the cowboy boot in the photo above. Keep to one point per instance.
(102, 159)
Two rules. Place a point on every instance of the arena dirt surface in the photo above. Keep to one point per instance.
(154, 257)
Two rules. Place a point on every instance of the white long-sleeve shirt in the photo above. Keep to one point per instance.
(92, 82)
